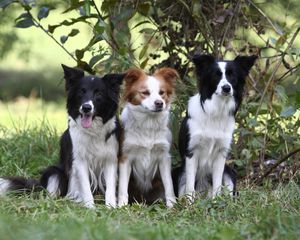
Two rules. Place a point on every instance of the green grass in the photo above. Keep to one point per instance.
(258, 213)
(27, 113)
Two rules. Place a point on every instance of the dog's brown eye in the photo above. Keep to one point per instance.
(97, 93)
(219, 73)
(161, 92)
(146, 93)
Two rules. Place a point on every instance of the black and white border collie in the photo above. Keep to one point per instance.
(206, 132)
(89, 148)
(147, 138)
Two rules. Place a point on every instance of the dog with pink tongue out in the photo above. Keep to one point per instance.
(89, 148)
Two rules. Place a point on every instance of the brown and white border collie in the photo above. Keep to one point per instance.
(146, 162)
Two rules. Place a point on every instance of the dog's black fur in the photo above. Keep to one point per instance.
(103, 92)
(209, 76)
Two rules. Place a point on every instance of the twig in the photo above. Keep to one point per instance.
(237, 7)
(289, 71)
(270, 170)
(275, 71)
(265, 16)
(163, 32)
(37, 24)
(97, 10)
(197, 22)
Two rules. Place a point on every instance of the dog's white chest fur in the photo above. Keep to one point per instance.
(91, 150)
(147, 140)
(210, 129)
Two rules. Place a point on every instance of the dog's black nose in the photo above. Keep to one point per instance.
(86, 108)
(226, 88)
(158, 104)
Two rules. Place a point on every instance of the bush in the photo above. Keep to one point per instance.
(47, 84)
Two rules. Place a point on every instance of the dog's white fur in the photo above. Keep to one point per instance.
(146, 145)
(211, 132)
(4, 186)
(94, 158)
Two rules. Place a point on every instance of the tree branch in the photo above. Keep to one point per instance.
(270, 170)
(36, 22)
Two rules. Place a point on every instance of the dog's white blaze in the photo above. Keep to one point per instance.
(223, 81)
(222, 66)
(93, 158)
(53, 186)
(4, 186)
(154, 87)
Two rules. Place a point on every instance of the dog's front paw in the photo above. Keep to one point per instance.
(122, 201)
(191, 197)
(110, 204)
(170, 202)
(89, 204)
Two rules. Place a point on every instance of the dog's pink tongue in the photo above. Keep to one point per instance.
(86, 121)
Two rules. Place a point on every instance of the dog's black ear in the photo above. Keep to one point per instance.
(246, 62)
(201, 61)
(114, 79)
(71, 74)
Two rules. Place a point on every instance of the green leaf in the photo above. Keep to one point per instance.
(51, 28)
(144, 8)
(100, 26)
(85, 10)
(43, 13)
(74, 5)
(272, 40)
(252, 122)
(107, 5)
(280, 90)
(23, 16)
(25, 23)
(278, 29)
(123, 51)
(79, 54)
(73, 32)
(95, 59)
(144, 63)
(28, 4)
(6, 3)
(287, 111)
(63, 39)
(74, 2)
(143, 51)
(280, 41)
(83, 65)
(140, 23)
(148, 30)
(297, 98)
